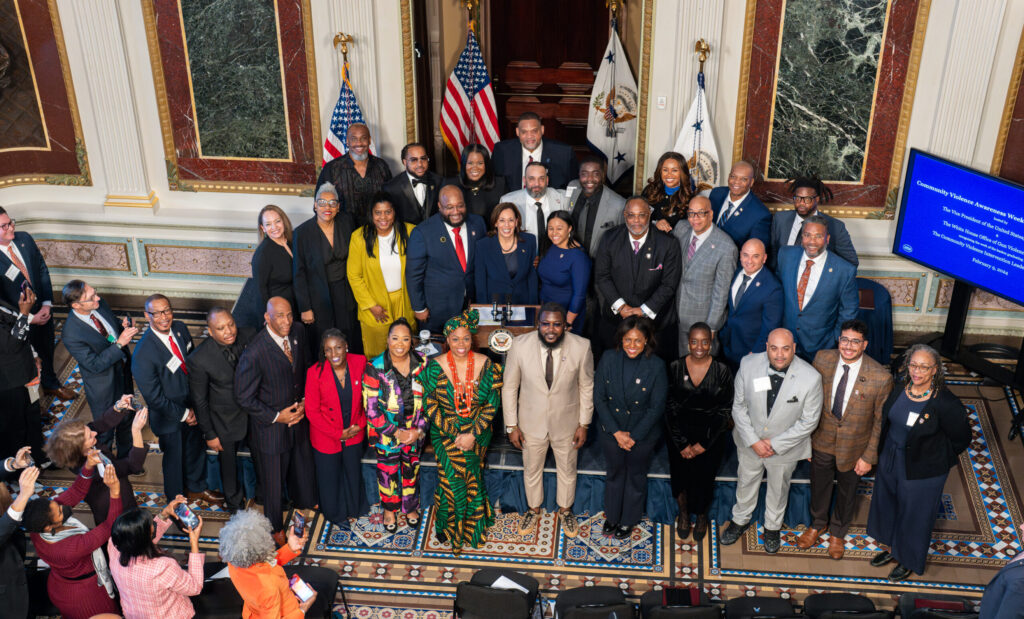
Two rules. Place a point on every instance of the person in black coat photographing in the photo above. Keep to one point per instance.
(924, 430)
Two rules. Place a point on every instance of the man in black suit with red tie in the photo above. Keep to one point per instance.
(270, 381)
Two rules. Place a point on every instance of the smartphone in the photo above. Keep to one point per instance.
(104, 463)
(186, 515)
(25, 285)
(300, 588)
(299, 523)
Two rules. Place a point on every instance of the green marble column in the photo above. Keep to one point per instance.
(825, 87)
(236, 77)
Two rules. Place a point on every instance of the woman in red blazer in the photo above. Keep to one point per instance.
(337, 427)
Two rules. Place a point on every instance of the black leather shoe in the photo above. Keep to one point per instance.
(609, 527)
(881, 559)
(623, 532)
(732, 532)
(700, 529)
(683, 525)
(772, 541)
(899, 573)
(442, 537)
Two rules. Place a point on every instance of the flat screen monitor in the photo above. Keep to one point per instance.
(963, 223)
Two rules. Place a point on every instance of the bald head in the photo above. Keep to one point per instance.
(753, 256)
(741, 179)
(451, 205)
(279, 316)
(781, 348)
(699, 214)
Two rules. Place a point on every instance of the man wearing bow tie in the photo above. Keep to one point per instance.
(775, 409)
(845, 445)
(414, 193)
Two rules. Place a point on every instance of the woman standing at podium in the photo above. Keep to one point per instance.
(503, 263)
(564, 270)
(463, 390)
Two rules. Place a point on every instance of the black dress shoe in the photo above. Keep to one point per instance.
(609, 527)
(732, 532)
(772, 541)
(700, 529)
(881, 559)
(442, 537)
(899, 573)
(623, 532)
(683, 525)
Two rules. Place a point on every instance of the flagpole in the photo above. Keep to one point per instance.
(470, 5)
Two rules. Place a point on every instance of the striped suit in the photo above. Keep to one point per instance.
(265, 383)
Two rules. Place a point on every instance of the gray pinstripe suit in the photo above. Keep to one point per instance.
(703, 293)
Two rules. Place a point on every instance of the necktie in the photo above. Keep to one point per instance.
(837, 401)
(549, 370)
(801, 287)
(636, 247)
(177, 352)
(693, 248)
(542, 227)
(99, 326)
(727, 213)
(230, 355)
(529, 160)
(741, 289)
(287, 347)
(460, 251)
(776, 379)
(18, 263)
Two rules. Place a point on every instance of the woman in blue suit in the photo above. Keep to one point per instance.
(564, 270)
(504, 260)
(630, 389)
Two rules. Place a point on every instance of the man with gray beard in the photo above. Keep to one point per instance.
(357, 174)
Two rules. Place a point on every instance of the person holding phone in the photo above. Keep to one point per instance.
(151, 583)
(337, 427)
(20, 422)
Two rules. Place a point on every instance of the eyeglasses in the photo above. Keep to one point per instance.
(698, 213)
(166, 312)
(854, 341)
(328, 203)
(7, 226)
(417, 159)
(804, 199)
(920, 367)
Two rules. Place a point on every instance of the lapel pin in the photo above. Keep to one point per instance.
(473, 233)
(926, 415)
(444, 239)
(561, 255)
(638, 381)
(830, 269)
(647, 255)
(757, 284)
(712, 246)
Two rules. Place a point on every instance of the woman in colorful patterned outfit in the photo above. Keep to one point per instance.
(393, 399)
(463, 390)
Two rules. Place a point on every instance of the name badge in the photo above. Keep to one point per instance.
(173, 364)
(762, 384)
(912, 419)
(12, 273)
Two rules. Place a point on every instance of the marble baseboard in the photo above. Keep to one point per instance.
(980, 300)
(188, 259)
(112, 255)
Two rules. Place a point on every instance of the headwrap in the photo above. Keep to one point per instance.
(469, 319)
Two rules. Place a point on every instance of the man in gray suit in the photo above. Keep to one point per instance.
(709, 260)
(775, 409)
(595, 207)
(536, 201)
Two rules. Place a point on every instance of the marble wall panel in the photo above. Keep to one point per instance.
(903, 290)
(192, 259)
(95, 255)
(980, 300)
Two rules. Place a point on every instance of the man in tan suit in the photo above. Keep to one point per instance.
(845, 445)
(548, 399)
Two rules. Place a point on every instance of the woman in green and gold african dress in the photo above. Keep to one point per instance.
(463, 390)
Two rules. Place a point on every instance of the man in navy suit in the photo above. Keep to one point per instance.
(1004, 595)
(755, 305)
(21, 265)
(99, 343)
(808, 193)
(511, 155)
(270, 382)
(738, 212)
(819, 290)
(439, 260)
(158, 365)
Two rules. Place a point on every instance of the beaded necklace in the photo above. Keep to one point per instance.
(464, 390)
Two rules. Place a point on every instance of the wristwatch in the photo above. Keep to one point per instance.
(508, 429)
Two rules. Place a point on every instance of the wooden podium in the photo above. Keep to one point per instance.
(480, 339)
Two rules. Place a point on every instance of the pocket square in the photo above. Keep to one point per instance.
(657, 268)
(791, 400)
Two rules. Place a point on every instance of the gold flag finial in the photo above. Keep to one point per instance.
(702, 49)
(471, 8)
(343, 40)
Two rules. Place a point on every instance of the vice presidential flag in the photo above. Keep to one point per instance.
(696, 142)
(611, 128)
(346, 113)
(468, 113)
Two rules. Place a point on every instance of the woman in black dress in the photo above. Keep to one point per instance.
(697, 415)
(668, 191)
(924, 430)
(481, 188)
(272, 260)
(322, 292)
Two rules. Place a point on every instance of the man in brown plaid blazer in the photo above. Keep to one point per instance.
(845, 445)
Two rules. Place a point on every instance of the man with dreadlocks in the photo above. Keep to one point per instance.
(808, 192)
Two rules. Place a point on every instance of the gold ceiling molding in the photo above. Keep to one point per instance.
(1011, 103)
(645, 78)
(407, 72)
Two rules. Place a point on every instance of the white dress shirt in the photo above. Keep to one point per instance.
(812, 281)
(86, 318)
(530, 216)
(166, 339)
(420, 190)
(17, 252)
(390, 261)
(739, 280)
(620, 301)
(794, 232)
(850, 380)
(730, 205)
(537, 154)
(278, 339)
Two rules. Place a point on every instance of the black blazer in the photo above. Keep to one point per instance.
(491, 273)
(166, 393)
(935, 442)
(265, 384)
(10, 289)
(212, 381)
(480, 201)
(13, 582)
(649, 277)
(105, 366)
(633, 403)
(557, 156)
(310, 274)
(404, 199)
(272, 271)
(17, 365)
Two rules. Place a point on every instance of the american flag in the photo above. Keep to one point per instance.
(346, 113)
(468, 111)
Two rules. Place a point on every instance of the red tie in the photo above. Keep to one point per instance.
(177, 353)
(460, 251)
(99, 326)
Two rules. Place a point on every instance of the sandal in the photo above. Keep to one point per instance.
(412, 520)
(392, 526)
